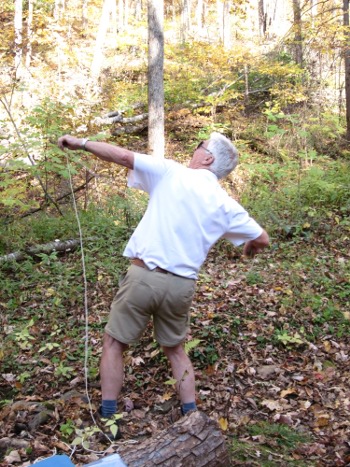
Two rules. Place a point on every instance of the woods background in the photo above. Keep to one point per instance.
(270, 338)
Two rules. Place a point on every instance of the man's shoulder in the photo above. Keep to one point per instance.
(155, 160)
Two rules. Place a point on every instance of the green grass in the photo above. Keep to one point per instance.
(270, 445)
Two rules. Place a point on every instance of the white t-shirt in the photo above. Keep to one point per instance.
(187, 213)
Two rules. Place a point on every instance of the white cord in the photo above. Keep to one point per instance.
(86, 309)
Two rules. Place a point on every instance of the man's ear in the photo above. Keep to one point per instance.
(209, 159)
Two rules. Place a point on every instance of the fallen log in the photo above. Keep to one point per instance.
(193, 441)
(56, 245)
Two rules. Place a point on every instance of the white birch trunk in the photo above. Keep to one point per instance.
(121, 15)
(199, 15)
(100, 39)
(84, 13)
(156, 77)
(18, 26)
(29, 33)
(59, 8)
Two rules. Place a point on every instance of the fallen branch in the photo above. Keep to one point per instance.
(56, 245)
(130, 130)
(117, 117)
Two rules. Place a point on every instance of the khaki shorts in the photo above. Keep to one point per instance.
(144, 294)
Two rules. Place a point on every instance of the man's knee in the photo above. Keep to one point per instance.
(175, 351)
(109, 343)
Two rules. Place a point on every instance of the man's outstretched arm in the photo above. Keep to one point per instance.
(106, 152)
(253, 247)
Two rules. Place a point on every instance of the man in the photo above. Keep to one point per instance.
(187, 213)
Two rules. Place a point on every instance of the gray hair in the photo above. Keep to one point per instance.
(225, 155)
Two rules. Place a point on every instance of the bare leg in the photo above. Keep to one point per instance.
(183, 372)
(112, 367)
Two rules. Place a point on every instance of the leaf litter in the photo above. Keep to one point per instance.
(269, 341)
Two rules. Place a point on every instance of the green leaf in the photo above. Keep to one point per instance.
(171, 381)
(191, 344)
(76, 441)
(114, 429)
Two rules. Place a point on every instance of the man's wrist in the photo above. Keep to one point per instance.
(83, 144)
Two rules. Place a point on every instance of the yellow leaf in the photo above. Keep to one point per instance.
(287, 392)
(346, 314)
(327, 346)
(306, 225)
(167, 396)
(49, 292)
(271, 404)
(154, 353)
(223, 424)
(322, 419)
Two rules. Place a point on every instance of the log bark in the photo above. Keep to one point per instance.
(117, 117)
(57, 245)
(193, 441)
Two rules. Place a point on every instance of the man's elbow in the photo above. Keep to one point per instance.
(263, 240)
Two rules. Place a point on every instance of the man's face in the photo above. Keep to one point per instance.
(202, 157)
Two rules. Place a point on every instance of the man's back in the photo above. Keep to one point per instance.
(188, 212)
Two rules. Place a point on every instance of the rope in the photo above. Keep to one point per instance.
(86, 308)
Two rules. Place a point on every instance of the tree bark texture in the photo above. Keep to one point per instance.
(101, 35)
(57, 245)
(347, 67)
(298, 36)
(29, 33)
(155, 77)
(193, 441)
(18, 23)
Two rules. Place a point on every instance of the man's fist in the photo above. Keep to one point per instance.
(70, 142)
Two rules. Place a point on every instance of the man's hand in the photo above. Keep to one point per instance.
(253, 247)
(69, 142)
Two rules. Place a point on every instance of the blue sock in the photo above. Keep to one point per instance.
(108, 408)
(187, 407)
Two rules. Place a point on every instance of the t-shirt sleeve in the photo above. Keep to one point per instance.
(242, 227)
(147, 171)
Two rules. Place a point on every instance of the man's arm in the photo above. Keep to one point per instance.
(106, 152)
(253, 247)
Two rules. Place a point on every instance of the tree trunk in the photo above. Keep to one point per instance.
(29, 34)
(193, 441)
(120, 15)
(347, 67)
(138, 10)
(298, 37)
(101, 35)
(18, 23)
(199, 15)
(59, 8)
(262, 18)
(84, 14)
(185, 19)
(155, 77)
(227, 25)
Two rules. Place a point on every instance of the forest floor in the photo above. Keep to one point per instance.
(269, 342)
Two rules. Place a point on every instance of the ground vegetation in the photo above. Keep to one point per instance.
(269, 336)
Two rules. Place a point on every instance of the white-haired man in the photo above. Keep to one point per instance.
(187, 213)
